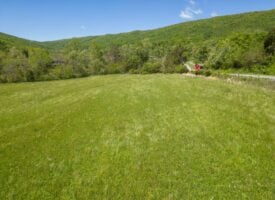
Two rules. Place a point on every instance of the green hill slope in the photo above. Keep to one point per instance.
(196, 31)
(16, 41)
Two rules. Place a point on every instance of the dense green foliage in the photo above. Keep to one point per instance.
(136, 137)
(269, 43)
(240, 42)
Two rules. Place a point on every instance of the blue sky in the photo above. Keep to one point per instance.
(44, 20)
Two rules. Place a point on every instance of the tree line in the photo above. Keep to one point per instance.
(237, 51)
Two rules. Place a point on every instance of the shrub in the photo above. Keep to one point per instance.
(132, 63)
(203, 72)
(152, 67)
(181, 69)
(269, 43)
(59, 72)
(134, 71)
(236, 64)
(253, 57)
(97, 66)
(115, 68)
(207, 73)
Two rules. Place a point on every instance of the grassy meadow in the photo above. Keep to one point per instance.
(136, 137)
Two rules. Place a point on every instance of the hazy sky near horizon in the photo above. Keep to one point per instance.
(44, 20)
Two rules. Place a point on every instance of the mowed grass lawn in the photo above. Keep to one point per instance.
(136, 137)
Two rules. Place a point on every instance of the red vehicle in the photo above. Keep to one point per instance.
(197, 67)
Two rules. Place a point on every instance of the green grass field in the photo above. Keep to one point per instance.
(136, 137)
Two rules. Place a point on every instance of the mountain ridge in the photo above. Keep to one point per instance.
(188, 29)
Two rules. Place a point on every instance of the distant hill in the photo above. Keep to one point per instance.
(16, 41)
(195, 31)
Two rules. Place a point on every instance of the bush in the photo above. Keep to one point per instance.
(152, 67)
(269, 43)
(134, 71)
(236, 64)
(207, 73)
(97, 66)
(253, 57)
(115, 68)
(181, 69)
(59, 72)
(203, 72)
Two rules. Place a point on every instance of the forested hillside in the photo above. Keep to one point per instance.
(195, 32)
(11, 41)
(237, 42)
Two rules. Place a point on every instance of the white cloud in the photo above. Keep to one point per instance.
(196, 12)
(83, 27)
(189, 13)
(186, 15)
(214, 14)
